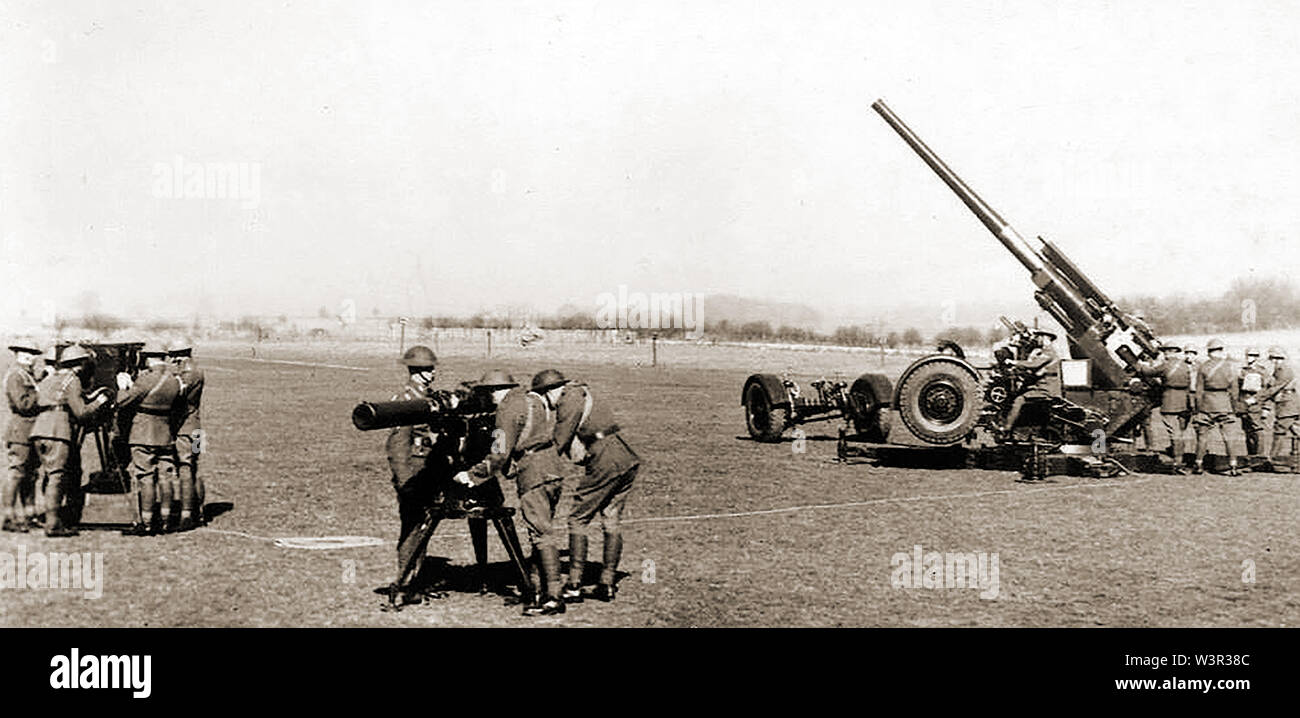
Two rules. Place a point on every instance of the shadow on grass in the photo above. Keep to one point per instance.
(788, 439)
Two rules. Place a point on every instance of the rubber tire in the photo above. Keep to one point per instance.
(765, 422)
(872, 425)
(926, 378)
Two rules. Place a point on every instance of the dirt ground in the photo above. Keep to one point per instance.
(720, 531)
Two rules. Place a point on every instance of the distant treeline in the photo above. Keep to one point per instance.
(1248, 305)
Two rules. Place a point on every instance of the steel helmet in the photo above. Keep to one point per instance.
(24, 345)
(1213, 344)
(153, 349)
(1276, 353)
(496, 379)
(1170, 347)
(1191, 349)
(1252, 351)
(73, 354)
(180, 346)
(419, 356)
(548, 379)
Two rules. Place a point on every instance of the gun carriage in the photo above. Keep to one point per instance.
(944, 400)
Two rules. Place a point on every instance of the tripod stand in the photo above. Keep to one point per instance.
(478, 507)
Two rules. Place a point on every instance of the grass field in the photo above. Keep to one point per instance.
(721, 531)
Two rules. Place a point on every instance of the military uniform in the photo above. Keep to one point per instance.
(586, 432)
(150, 404)
(56, 436)
(188, 429)
(1175, 401)
(1042, 381)
(1286, 408)
(525, 450)
(1255, 379)
(1216, 403)
(21, 392)
(419, 466)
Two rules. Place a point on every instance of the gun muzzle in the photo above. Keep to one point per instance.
(1004, 232)
(369, 416)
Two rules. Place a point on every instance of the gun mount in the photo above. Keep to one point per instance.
(943, 399)
(463, 421)
(1108, 341)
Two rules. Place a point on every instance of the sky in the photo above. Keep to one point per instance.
(447, 157)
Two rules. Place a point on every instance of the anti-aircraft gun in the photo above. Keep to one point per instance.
(943, 399)
(1105, 343)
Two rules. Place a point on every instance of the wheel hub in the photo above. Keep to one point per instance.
(941, 402)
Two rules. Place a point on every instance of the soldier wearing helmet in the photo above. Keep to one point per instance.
(525, 451)
(1040, 374)
(148, 405)
(411, 456)
(489, 390)
(20, 389)
(188, 427)
(1175, 412)
(57, 431)
(1216, 403)
(587, 434)
(1256, 377)
(1281, 399)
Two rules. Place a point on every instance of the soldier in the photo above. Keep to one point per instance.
(1193, 360)
(1175, 398)
(187, 427)
(20, 389)
(1041, 372)
(525, 448)
(411, 457)
(56, 434)
(1216, 402)
(1255, 378)
(586, 433)
(149, 403)
(1281, 399)
(492, 387)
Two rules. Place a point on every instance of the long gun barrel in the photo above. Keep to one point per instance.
(439, 410)
(1097, 328)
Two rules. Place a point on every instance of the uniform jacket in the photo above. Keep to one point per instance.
(59, 398)
(525, 428)
(20, 390)
(1283, 392)
(413, 449)
(579, 417)
(1217, 387)
(1046, 368)
(186, 416)
(1248, 374)
(152, 401)
(1176, 384)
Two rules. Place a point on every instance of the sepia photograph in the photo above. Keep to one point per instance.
(613, 315)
